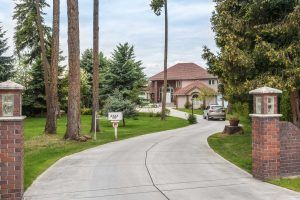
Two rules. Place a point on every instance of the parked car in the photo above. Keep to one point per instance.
(214, 112)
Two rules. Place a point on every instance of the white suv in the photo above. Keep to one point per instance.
(214, 112)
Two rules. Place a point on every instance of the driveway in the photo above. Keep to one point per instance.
(176, 164)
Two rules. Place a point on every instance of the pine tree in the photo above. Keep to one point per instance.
(157, 6)
(6, 62)
(123, 73)
(86, 64)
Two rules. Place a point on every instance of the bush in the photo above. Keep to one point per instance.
(151, 114)
(117, 103)
(192, 119)
(187, 105)
(241, 108)
(167, 112)
(86, 111)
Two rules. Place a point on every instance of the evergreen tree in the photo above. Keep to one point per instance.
(259, 45)
(6, 62)
(157, 6)
(86, 64)
(123, 73)
(26, 36)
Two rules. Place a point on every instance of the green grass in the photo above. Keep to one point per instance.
(196, 111)
(41, 151)
(238, 150)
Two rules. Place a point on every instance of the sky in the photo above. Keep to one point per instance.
(134, 22)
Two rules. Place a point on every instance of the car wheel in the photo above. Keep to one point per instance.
(204, 117)
(208, 119)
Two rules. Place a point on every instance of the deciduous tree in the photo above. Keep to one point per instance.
(259, 45)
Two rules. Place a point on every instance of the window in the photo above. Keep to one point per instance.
(271, 106)
(258, 105)
(8, 105)
(178, 84)
(211, 82)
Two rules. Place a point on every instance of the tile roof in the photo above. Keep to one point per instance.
(195, 85)
(184, 71)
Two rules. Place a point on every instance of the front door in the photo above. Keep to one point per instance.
(168, 97)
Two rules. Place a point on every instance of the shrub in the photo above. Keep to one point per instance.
(86, 111)
(285, 106)
(117, 103)
(187, 105)
(151, 114)
(192, 119)
(241, 108)
(167, 112)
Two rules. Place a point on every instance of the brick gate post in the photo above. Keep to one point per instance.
(11, 141)
(265, 133)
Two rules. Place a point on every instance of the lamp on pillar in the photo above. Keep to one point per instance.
(11, 141)
(265, 133)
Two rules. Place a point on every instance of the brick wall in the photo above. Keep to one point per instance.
(290, 149)
(265, 147)
(11, 160)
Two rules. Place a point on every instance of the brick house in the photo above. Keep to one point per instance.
(185, 81)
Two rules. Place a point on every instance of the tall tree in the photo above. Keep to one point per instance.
(259, 45)
(86, 64)
(73, 124)
(95, 126)
(50, 70)
(6, 62)
(26, 36)
(123, 73)
(157, 6)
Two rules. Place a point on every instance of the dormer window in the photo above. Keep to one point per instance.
(211, 82)
(178, 84)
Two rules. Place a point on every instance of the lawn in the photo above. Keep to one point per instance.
(196, 111)
(41, 151)
(238, 150)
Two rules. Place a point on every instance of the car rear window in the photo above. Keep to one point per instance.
(216, 107)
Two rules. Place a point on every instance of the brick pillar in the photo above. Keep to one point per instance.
(155, 92)
(265, 134)
(11, 141)
(265, 147)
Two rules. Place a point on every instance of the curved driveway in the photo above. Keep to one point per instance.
(176, 164)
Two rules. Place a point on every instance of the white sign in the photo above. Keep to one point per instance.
(115, 116)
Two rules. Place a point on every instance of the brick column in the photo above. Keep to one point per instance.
(11, 156)
(265, 147)
(11, 141)
(265, 134)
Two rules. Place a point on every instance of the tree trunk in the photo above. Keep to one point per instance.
(163, 111)
(95, 67)
(73, 124)
(52, 113)
(295, 107)
(124, 124)
(50, 126)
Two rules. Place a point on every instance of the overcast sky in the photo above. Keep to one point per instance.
(133, 21)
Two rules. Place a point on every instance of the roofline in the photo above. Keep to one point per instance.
(205, 78)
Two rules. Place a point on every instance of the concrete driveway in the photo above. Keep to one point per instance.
(175, 164)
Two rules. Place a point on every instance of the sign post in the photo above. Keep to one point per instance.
(97, 117)
(115, 117)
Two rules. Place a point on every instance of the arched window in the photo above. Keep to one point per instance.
(170, 90)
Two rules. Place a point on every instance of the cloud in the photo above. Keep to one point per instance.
(133, 21)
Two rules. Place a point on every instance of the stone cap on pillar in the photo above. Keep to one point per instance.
(9, 85)
(265, 90)
(265, 102)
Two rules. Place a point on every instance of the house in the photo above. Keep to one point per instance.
(185, 81)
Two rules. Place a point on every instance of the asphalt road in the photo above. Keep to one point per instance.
(177, 165)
